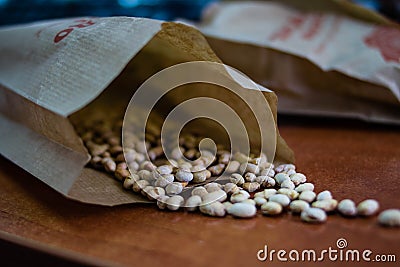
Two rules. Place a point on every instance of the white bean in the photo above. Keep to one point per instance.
(298, 206)
(251, 187)
(271, 208)
(236, 178)
(139, 185)
(326, 204)
(162, 202)
(347, 207)
(216, 209)
(390, 217)
(313, 215)
(288, 184)
(242, 210)
(231, 188)
(240, 196)
(260, 200)
(291, 193)
(199, 191)
(193, 202)
(308, 196)
(183, 176)
(175, 202)
(269, 182)
(324, 195)
(233, 166)
(368, 207)
(305, 187)
(269, 192)
(281, 177)
(211, 187)
(281, 199)
(174, 188)
(298, 178)
(218, 195)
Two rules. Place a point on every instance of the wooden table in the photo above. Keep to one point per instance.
(352, 159)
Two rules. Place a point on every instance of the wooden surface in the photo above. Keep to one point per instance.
(352, 159)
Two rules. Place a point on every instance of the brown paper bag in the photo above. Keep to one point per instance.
(54, 73)
(322, 58)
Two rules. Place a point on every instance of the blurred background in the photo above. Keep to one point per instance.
(20, 11)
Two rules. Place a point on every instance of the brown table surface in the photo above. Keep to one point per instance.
(352, 159)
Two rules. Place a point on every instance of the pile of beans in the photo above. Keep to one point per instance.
(248, 183)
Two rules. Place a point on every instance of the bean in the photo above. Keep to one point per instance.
(281, 199)
(308, 196)
(174, 188)
(164, 180)
(95, 149)
(216, 209)
(249, 167)
(121, 174)
(269, 182)
(139, 185)
(199, 191)
(147, 165)
(201, 176)
(390, 217)
(305, 187)
(183, 176)
(291, 193)
(162, 202)
(109, 164)
(298, 178)
(281, 177)
(145, 175)
(313, 215)
(250, 177)
(128, 183)
(269, 192)
(133, 166)
(347, 207)
(219, 195)
(155, 193)
(287, 184)
(146, 189)
(251, 187)
(236, 178)
(193, 202)
(216, 169)
(240, 196)
(224, 158)
(326, 204)
(298, 206)
(368, 207)
(260, 200)
(261, 179)
(231, 188)
(285, 167)
(211, 187)
(233, 166)
(271, 208)
(268, 172)
(164, 169)
(324, 195)
(175, 202)
(242, 210)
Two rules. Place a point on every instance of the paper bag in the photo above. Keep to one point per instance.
(322, 58)
(53, 73)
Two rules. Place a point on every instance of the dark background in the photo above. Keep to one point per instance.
(20, 11)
